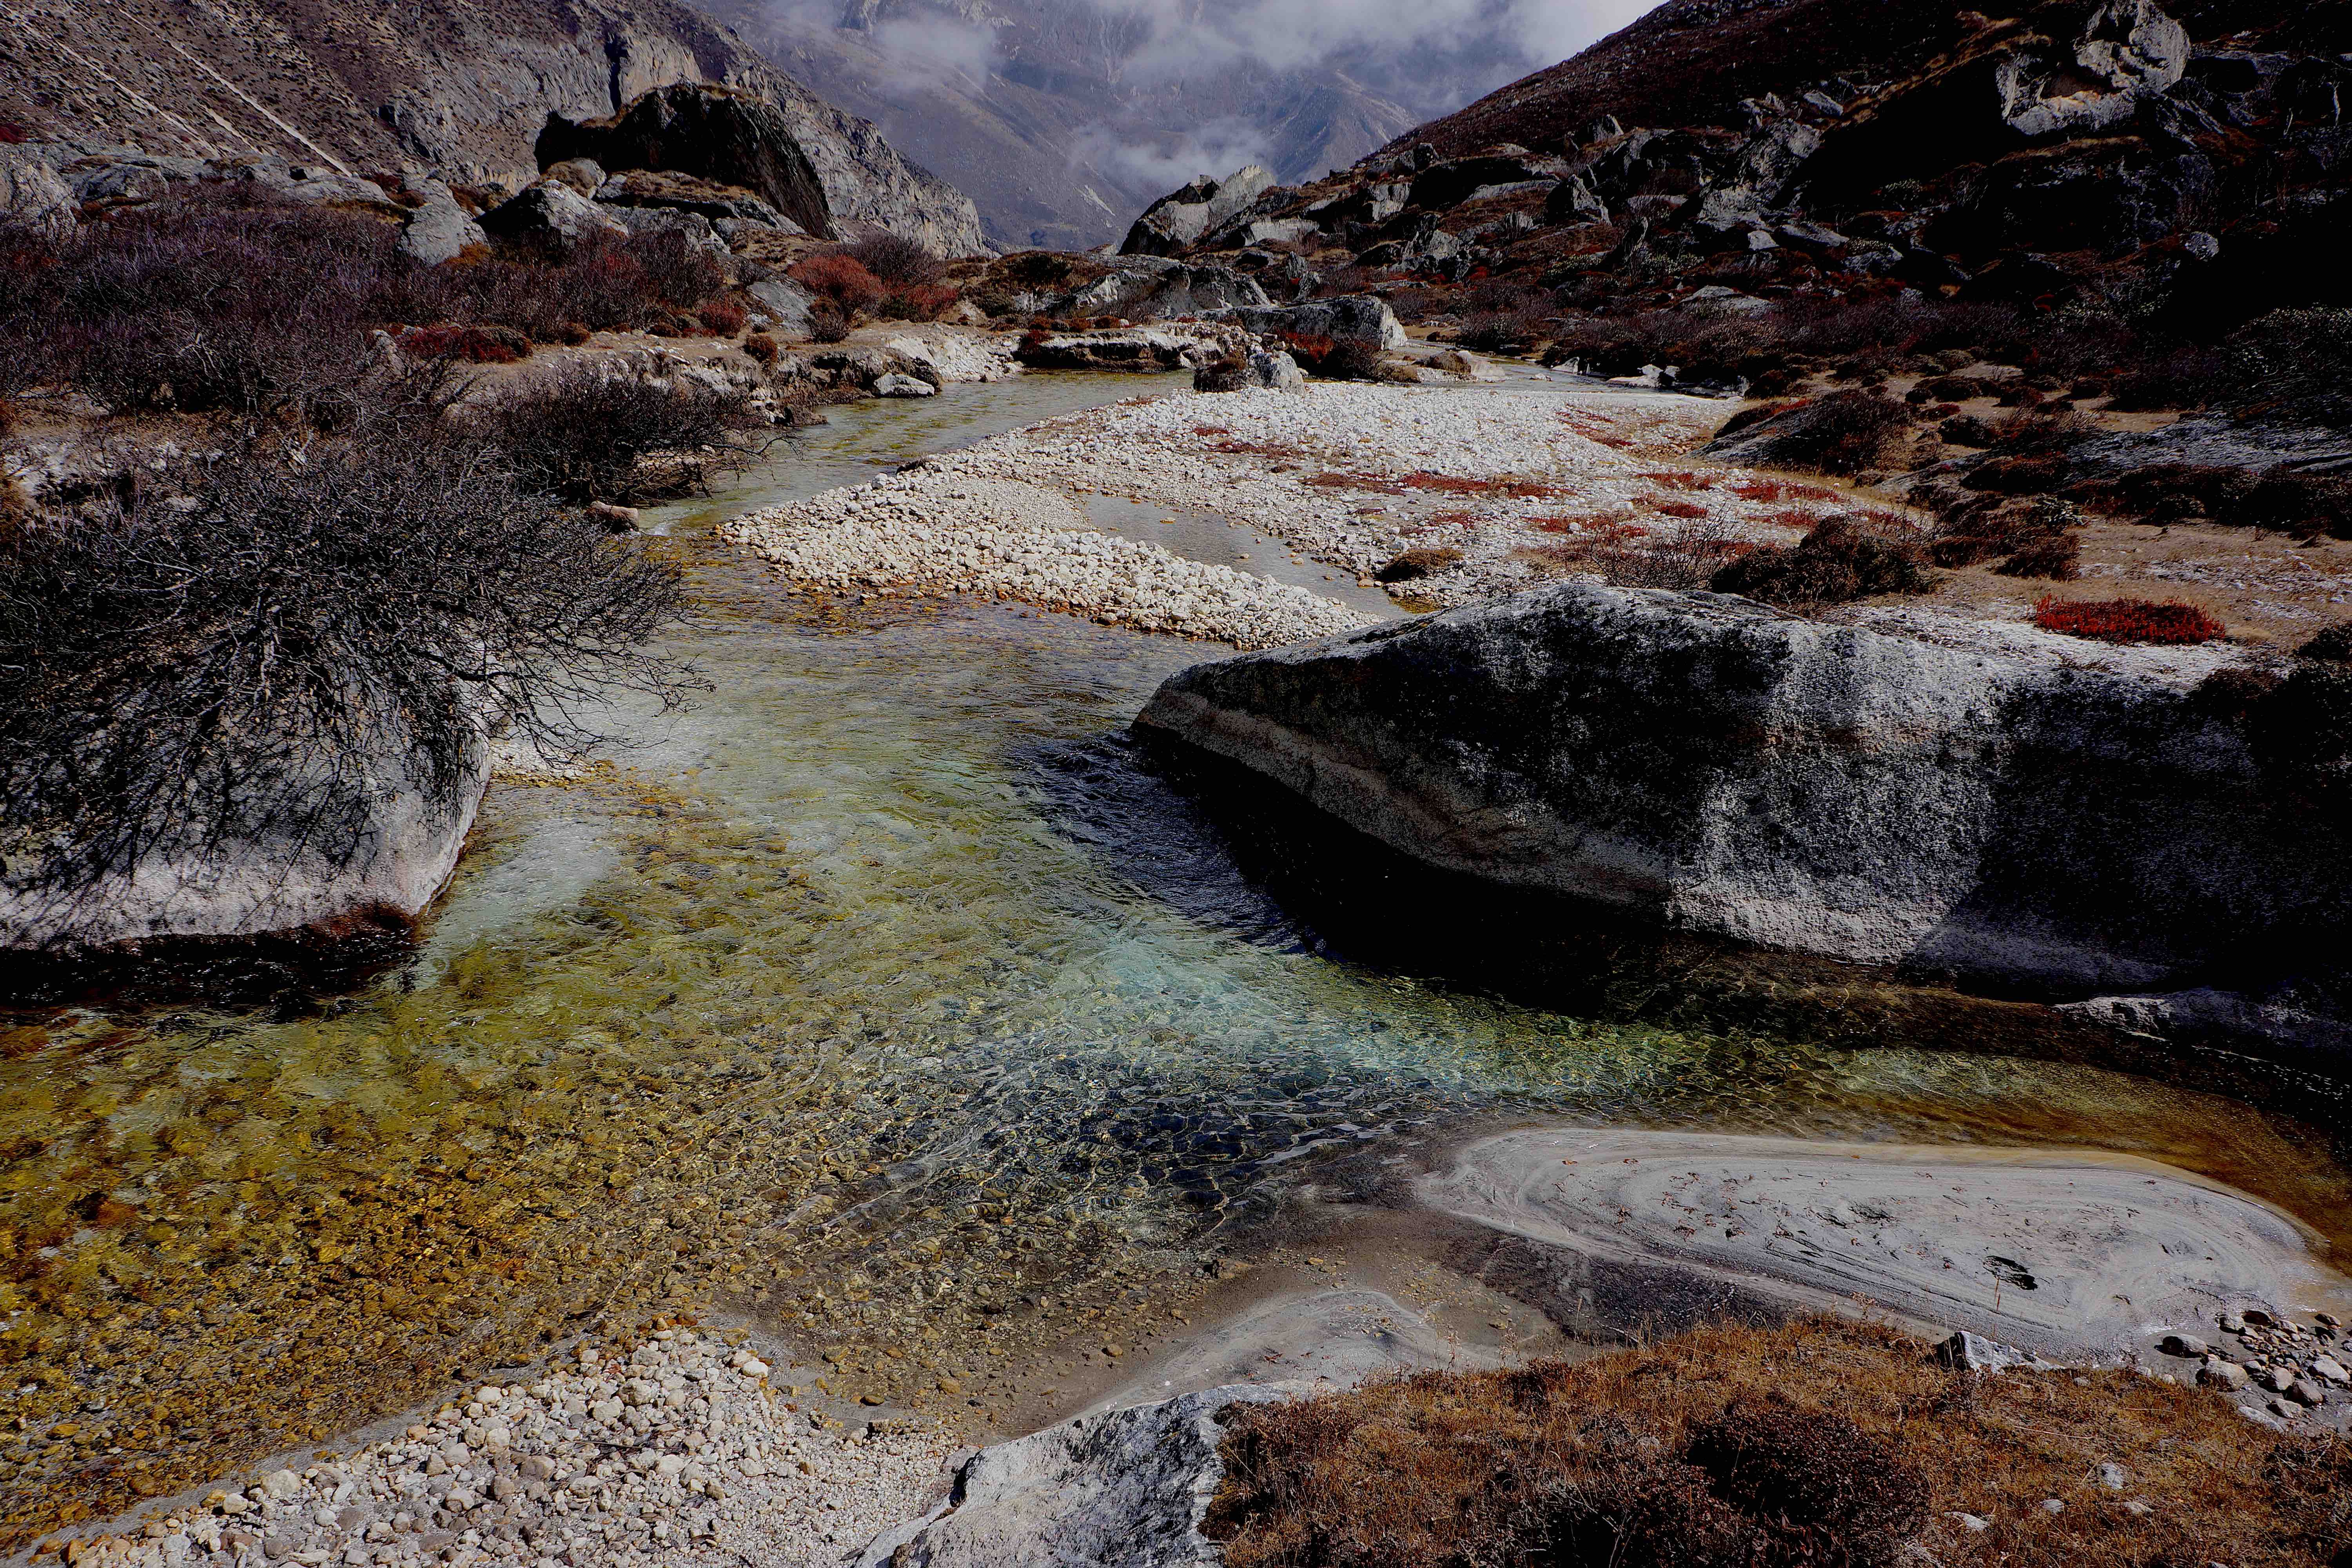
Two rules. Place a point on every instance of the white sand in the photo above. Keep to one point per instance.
(2118, 1250)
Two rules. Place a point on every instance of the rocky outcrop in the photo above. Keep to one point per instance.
(552, 217)
(1126, 1489)
(1177, 346)
(457, 88)
(398, 853)
(1351, 318)
(726, 135)
(1274, 372)
(1995, 806)
(30, 191)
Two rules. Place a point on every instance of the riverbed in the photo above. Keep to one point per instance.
(888, 1002)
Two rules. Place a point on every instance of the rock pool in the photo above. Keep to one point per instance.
(881, 998)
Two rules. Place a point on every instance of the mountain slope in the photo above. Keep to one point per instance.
(1062, 118)
(451, 84)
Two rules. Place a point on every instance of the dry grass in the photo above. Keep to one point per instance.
(1824, 1442)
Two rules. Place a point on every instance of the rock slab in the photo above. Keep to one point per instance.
(2002, 806)
(1127, 1489)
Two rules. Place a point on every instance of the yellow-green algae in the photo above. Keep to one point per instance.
(842, 1032)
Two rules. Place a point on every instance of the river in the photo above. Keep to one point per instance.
(880, 995)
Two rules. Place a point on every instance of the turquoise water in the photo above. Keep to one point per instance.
(882, 988)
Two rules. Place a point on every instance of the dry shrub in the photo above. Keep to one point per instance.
(1823, 1443)
(1420, 562)
(828, 324)
(1454, 484)
(1844, 558)
(475, 345)
(2058, 558)
(587, 436)
(840, 278)
(1842, 433)
(2128, 620)
(205, 303)
(917, 302)
(724, 317)
(763, 347)
(230, 654)
(897, 260)
(1628, 556)
(1665, 507)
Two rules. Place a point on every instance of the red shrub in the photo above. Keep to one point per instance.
(1523, 490)
(918, 302)
(1683, 508)
(724, 317)
(2128, 620)
(1764, 490)
(477, 345)
(840, 278)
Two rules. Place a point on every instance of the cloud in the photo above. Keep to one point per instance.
(1292, 35)
(1216, 149)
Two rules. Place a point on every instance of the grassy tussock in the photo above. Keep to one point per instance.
(1822, 1441)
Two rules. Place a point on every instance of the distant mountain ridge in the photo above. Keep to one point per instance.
(452, 84)
(1063, 119)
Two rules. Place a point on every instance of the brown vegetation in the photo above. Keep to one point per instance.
(1824, 1442)
(202, 306)
(1844, 558)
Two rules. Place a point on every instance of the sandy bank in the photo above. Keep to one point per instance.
(2072, 1254)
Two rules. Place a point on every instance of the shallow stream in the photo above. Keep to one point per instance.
(879, 998)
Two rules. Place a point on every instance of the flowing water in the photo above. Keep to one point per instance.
(878, 997)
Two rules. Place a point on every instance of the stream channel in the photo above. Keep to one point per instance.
(884, 1000)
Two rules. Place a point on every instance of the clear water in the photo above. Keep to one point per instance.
(883, 987)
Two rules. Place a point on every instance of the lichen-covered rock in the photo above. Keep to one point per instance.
(1998, 804)
(1126, 1489)
(30, 191)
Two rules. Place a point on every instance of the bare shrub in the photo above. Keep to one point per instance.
(207, 304)
(584, 435)
(897, 260)
(231, 654)
(1843, 558)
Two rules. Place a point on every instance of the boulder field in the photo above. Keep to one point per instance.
(1991, 805)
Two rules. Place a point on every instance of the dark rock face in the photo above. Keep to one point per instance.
(451, 87)
(715, 133)
(1999, 812)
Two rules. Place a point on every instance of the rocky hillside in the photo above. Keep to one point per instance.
(2076, 153)
(460, 88)
(1062, 117)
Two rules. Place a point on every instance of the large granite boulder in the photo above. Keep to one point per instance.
(553, 217)
(437, 229)
(718, 133)
(1347, 318)
(1182, 218)
(1124, 1488)
(2023, 811)
(391, 843)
